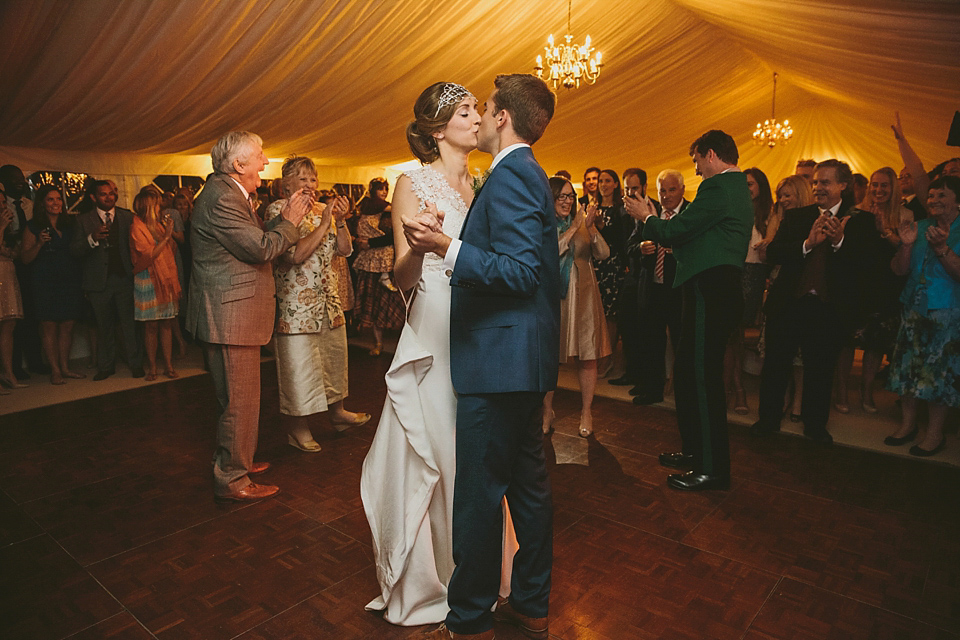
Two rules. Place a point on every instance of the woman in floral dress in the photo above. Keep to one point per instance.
(311, 335)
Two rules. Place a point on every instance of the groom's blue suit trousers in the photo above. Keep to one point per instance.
(499, 452)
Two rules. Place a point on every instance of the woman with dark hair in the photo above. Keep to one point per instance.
(583, 329)
(380, 304)
(311, 332)
(156, 283)
(11, 305)
(615, 226)
(880, 290)
(56, 278)
(926, 360)
(753, 280)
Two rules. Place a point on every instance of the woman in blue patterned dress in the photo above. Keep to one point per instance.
(926, 361)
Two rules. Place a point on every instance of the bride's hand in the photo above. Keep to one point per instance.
(431, 217)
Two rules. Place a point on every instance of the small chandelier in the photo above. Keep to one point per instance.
(568, 63)
(770, 132)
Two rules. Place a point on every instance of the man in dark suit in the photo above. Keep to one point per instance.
(504, 354)
(104, 247)
(709, 240)
(909, 193)
(628, 311)
(232, 301)
(659, 303)
(813, 302)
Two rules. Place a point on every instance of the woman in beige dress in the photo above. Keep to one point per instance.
(311, 335)
(583, 327)
(11, 305)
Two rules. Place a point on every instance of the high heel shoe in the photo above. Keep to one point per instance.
(343, 425)
(891, 441)
(12, 384)
(917, 450)
(310, 446)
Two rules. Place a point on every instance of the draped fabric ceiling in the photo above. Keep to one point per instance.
(120, 88)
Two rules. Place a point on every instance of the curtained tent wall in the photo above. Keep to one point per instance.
(143, 88)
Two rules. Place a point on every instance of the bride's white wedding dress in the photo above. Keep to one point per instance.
(408, 474)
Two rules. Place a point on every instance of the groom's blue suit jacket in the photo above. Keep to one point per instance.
(505, 299)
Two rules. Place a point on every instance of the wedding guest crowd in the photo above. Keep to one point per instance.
(835, 264)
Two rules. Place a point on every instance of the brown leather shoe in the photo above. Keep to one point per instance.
(442, 633)
(252, 491)
(259, 467)
(530, 627)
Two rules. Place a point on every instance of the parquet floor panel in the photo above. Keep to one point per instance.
(46, 593)
(624, 583)
(108, 529)
(224, 576)
(801, 611)
(881, 558)
(122, 626)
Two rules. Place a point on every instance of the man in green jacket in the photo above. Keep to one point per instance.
(709, 240)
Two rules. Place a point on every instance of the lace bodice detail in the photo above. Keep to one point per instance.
(430, 186)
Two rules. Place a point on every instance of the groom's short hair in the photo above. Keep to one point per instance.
(529, 101)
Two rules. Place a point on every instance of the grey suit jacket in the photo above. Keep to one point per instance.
(96, 259)
(232, 294)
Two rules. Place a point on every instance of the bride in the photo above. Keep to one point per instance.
(408, 474)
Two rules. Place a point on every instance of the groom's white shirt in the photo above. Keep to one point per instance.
(450, 260)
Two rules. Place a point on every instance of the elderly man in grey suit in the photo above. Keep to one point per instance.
(232, 301)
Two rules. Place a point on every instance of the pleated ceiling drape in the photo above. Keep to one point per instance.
(145, 87)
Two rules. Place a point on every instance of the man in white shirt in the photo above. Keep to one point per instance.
(813, 304)
(104, 247)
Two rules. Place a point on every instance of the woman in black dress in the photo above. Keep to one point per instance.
(615, 226)
(56, 277)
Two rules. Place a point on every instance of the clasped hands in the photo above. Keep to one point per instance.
(639, 209)
(936, 237)
(297, 206)
(424, 231)
(827, 227)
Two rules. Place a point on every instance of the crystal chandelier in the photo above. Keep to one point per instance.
(568, 64)
(770, 132)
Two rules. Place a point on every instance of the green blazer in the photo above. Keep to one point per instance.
(713, 230)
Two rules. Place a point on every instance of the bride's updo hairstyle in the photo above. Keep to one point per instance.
(432, 111)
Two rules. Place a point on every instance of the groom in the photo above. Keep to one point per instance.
(504, 343)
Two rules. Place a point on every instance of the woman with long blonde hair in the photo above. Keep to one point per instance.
(792, 192)
(881, 290)
(156, 284)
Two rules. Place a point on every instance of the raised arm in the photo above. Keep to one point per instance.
(921, 181)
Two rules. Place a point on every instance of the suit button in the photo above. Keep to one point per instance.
(448, 272)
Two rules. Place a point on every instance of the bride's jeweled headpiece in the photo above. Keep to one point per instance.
(452, 94)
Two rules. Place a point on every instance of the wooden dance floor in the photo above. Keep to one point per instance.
(108, 529)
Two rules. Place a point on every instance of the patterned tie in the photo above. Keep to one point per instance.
(253, 210)
(661, 253)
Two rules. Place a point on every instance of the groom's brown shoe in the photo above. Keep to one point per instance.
(442, 633)
(535, 628)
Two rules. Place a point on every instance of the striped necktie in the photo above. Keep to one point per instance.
(661, 253)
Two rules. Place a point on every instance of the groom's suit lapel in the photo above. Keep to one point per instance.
(476, 197)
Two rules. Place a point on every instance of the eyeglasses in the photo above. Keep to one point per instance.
(567, 196)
